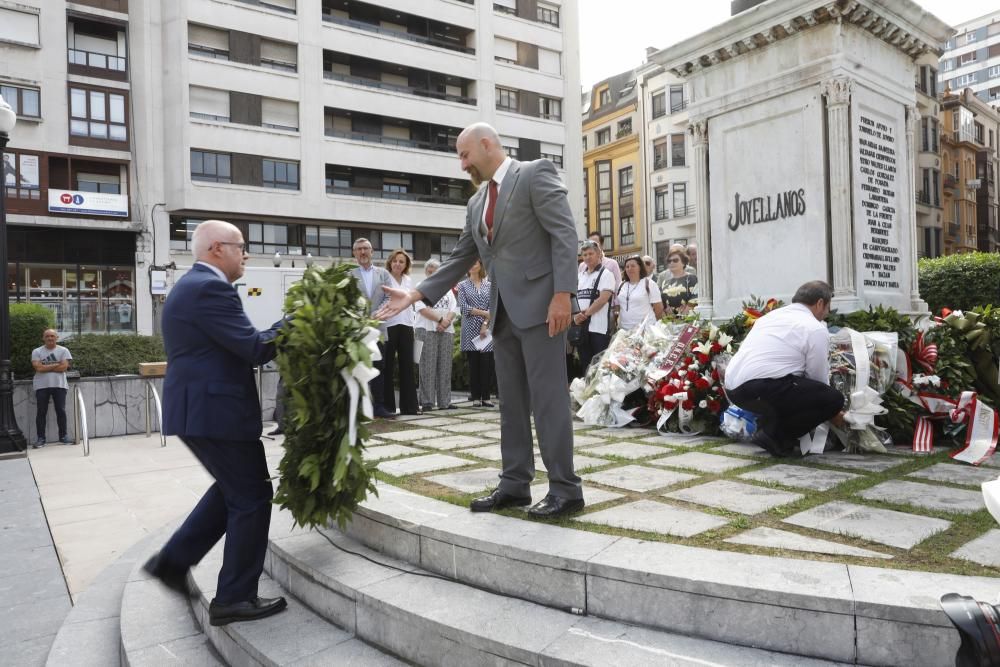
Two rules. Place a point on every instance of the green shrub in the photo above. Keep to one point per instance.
(113, 354)
(27, 322)
(960, 282)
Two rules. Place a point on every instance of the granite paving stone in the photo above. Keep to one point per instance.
(743, 449)
(580, 462)
(957, 473)
(621, 433)
(864, 462)
(678, 440)
(702, 462)
(783, 539)
(417, 464)
(927, 496)
(627, 450)
(735, 497)
(488, 452)
(638, 478)
(466, 426)
(584, 440)
(984, 550)
(907, 450)
(453, 442)
(410, 435)
(439, 421)
(389, 452)
(469, 481)
(480, 414)
(800, 476)
(591, 494)
(889, 527)
(579, 426)
(655, 517)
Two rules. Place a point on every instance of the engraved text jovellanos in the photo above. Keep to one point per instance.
(806, 116)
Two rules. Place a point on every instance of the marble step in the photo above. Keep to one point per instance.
(429, 620)
(832, 611)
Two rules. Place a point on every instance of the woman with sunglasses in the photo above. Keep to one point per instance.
(678, 285)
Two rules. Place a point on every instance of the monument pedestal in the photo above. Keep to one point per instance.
(803, 127)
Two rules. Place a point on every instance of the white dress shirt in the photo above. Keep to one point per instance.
(786, 341)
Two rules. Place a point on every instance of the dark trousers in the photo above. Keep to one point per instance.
(399, 348)
(378, 382)
(480, 374)
(788, 407)
(591, 346)
(237, 505)
(42, 396)
(279, 402)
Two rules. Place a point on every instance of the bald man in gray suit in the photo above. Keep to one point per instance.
(521, 226)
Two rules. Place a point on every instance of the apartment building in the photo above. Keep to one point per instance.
(971, 58)
(969, 164)
(307, 123)
(928, 160)
(613, 203)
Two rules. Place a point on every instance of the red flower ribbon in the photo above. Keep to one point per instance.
(924, 354)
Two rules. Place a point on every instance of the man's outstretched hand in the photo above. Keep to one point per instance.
(559, 314)
(399, 300)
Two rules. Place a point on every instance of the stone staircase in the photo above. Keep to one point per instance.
(414, 580)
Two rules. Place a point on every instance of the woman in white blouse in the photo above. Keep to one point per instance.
(638, 297)
(435, 329)
(399, 344)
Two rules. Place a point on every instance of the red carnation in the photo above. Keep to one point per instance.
(702, 358)
(715, 374)
(701, 384)
(716, 348)
(688, 404)
(714, 406)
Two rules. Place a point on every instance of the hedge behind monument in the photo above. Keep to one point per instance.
(98, 355)
(27, 322)
(960, 282)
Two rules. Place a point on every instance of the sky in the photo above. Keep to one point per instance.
(614, 34)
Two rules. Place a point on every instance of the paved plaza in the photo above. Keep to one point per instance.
(75, 515)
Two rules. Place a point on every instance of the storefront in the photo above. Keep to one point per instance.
(85, 277)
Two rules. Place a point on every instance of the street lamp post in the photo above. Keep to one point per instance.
(11, 438)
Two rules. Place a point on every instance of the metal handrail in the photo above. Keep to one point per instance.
(406, 196)
(152, 393)
(409, 90)
(420, 39)
(98, 60)
(391, 141)
(80, 420)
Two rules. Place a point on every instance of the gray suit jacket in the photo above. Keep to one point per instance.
(377, 295)
(533, 254)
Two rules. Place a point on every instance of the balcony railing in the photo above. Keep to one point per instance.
(924, 198)
(950, 182)
(409, 90)
(679, 106)
(683, 211)
(369, 27)
(97, 60)
(268, 5)
(370, 193)
(390, 141)
(208, 51)
(660, 162)
(954, 229)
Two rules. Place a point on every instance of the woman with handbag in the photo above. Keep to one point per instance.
(638, 297)
(593, 293)
(474, 302)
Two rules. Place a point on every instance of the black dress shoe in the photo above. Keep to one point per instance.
(772, 446)
(175, 581)
(221, 614)
(379, 411)
(498, 500)
(486, 404)
(277, 431)
(552, 506)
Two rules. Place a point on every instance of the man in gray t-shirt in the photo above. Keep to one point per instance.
(51, 361)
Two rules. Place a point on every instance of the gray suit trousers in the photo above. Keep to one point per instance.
(531, 375)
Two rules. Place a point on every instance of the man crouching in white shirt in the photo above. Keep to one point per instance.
(782, 372)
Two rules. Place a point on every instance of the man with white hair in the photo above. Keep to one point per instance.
(210, 402)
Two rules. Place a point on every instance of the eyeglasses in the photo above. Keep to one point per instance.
(241, 246)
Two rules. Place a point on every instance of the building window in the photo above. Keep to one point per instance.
(935, 126)
(624, 128)
(212, 167)
(554, 153)
(677, 150)
(550, 107)
(511, 149)
(548, 14)
(585, 143)
(625, 182)
(328, 242)
(994, 71)
(677, 101)
(506, 99)
(980, 133)
(627, 225)
(208, 42)
(267, 238)
(103, 183)
(660, 153)
(96, 46)
(603, 136)
(967, 58)
(586, 199)
(659, 104)
(660, 196)
(970, 37)
(680, 200)
(281, 175)
(604, 202)
(97, 114)
(604, 223)
(20, 175)
(604, 97)
(181, 231)
(947, 65)
(24, 101)
(395, 189)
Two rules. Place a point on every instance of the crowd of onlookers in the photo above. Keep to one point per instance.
(418, 343)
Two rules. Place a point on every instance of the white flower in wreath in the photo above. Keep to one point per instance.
(725, 340)
(921, 380)
(704, 348)
(703, 404)
(675, 290)
(713, 332)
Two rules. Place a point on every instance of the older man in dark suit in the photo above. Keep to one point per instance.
(210, 402)
(521, 226)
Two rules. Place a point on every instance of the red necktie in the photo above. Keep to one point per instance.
(491, 204)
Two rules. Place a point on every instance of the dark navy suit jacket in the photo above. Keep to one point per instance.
(212, 347)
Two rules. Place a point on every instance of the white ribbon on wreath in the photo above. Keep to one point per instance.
(357, 379)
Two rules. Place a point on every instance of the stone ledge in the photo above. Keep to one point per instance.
(815, 608)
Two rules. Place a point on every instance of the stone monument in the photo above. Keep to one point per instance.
(803, 125)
